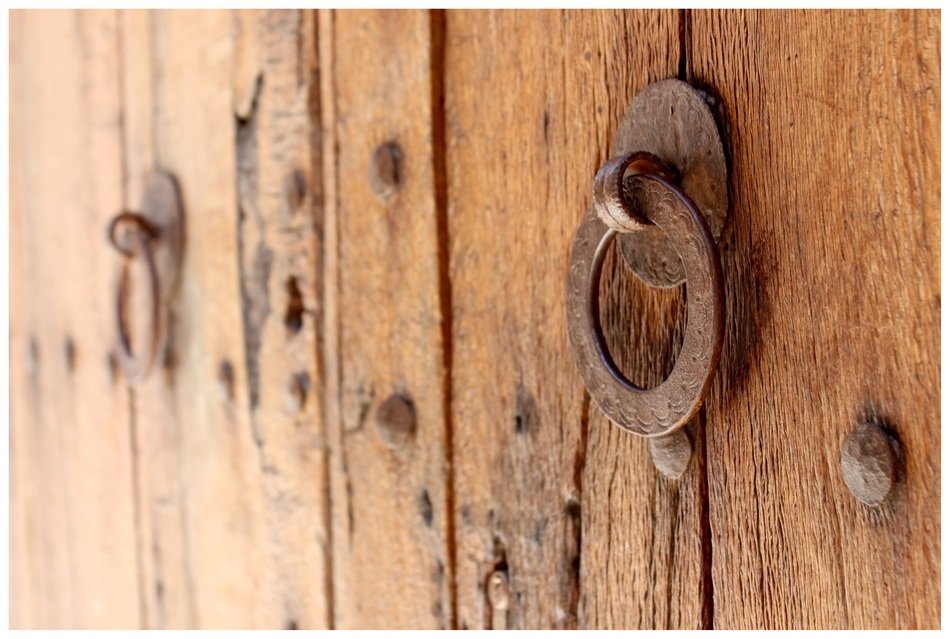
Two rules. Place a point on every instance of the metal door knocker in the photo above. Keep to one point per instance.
(662, 198)
(153, 235)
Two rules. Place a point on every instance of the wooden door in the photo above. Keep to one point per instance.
(368, 412)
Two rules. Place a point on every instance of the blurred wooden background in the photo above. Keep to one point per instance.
(253, 480)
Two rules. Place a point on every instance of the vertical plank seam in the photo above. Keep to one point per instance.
(675, 502)
(707, 611)
(137, 514)
(580, 463)
(437, 35)
(246, 179)
(685, 31)
(331, 279)
(325, 164)
(708, 607)
(158, 87)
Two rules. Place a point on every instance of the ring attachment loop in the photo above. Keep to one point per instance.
(138, 224)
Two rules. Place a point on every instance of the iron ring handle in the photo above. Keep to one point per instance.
(662, 410)
(136, 242)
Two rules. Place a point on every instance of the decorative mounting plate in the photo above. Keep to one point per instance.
(671, 120)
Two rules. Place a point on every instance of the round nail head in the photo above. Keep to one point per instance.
(868, 464)
(296, 397)
(396, 420)
(225, 379)
(385, 170)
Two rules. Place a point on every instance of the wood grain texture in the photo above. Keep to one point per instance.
(391, 552)
(163, 563)
(547, 489)
(72, 522)
(369, 404)
(213, 456)
(280, 246)
(830, 262)
(230, 441)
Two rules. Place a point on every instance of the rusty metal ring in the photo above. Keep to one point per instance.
(139, 224)
(669, 406)
(136, 367)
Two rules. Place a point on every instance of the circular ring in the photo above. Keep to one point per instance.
(610, 200)
(139, 224)
(137, 367)
(669, 406)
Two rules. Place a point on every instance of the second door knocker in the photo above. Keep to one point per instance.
(154, 235)
(662, 198)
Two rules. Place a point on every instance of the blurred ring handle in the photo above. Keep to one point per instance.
(152, 234)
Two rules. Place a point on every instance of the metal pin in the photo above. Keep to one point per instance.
(297, 388)
(33, 357)
(225, 379)
(499, 596)
(69, 353)
(295, 191)
(385, 170)
(112, 367)
(671, 453)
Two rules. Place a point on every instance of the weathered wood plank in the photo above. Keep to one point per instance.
(201, 498)
(162, 542)
(548, 490)
(230, 437)
(198, 462)
(73, 544)
(389, 471)
(280, 247)
(830, 261)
